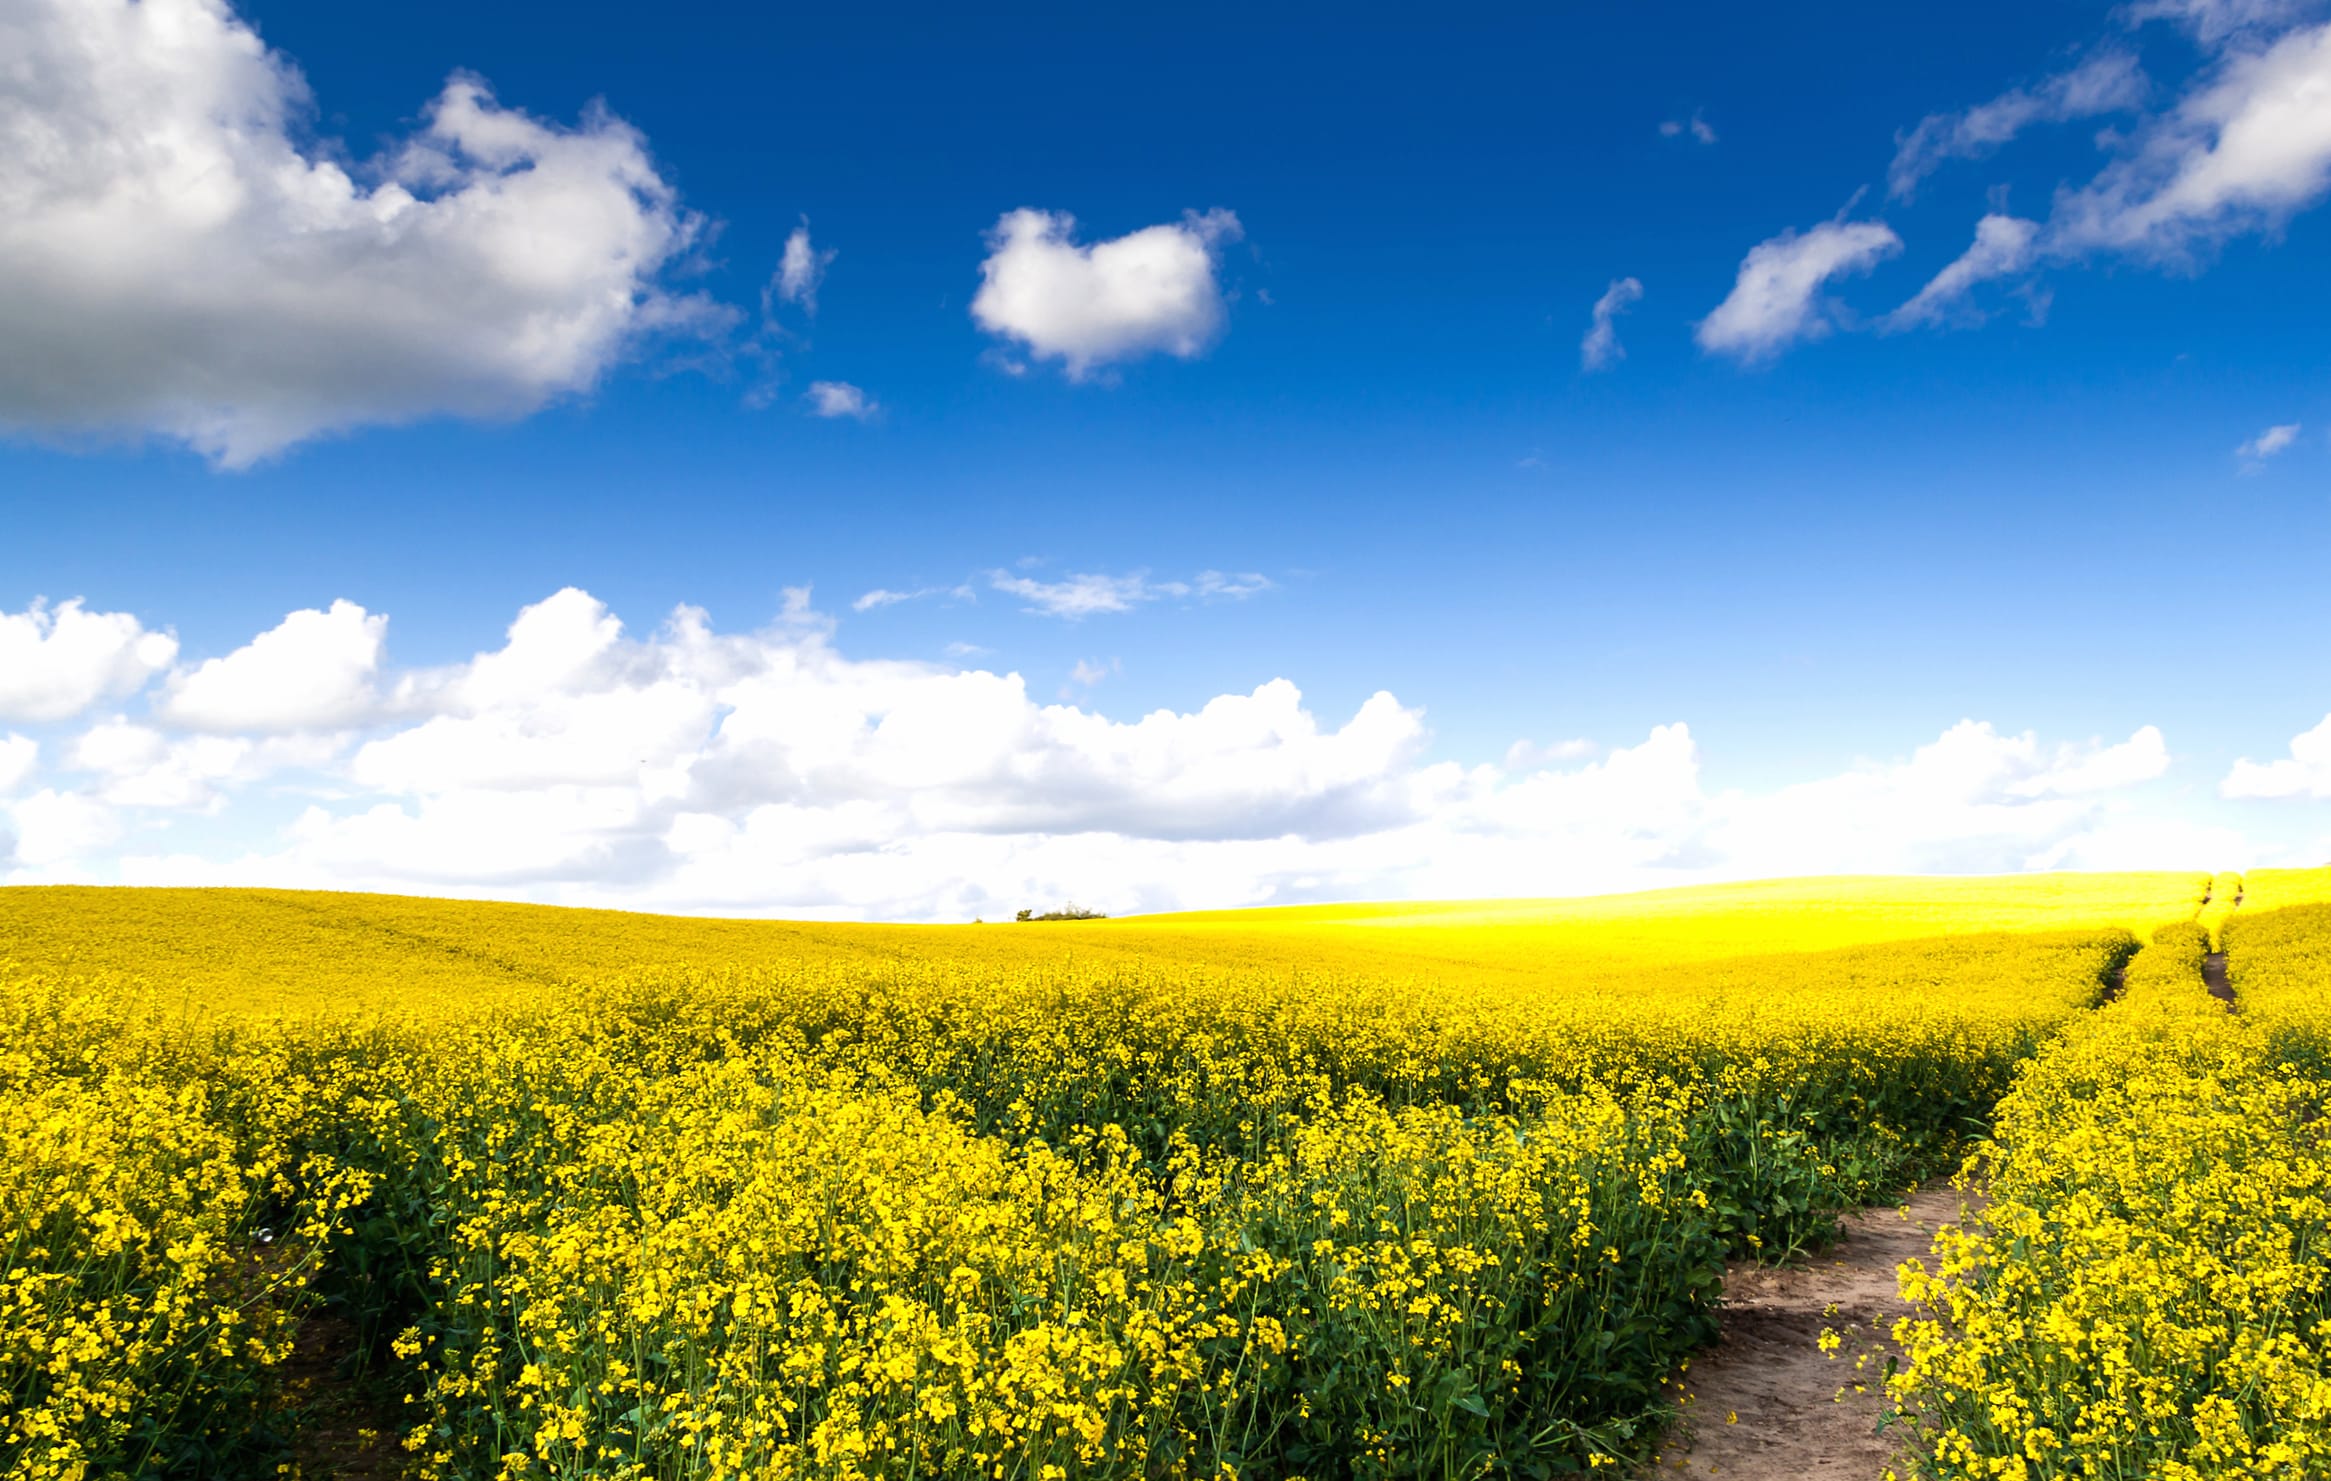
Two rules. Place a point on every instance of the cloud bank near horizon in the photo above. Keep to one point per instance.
(767, 772)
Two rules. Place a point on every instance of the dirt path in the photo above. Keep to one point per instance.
(1765, 1402)
(2214, 965)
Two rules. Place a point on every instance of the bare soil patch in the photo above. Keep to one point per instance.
(1766, 1404)
(344, 1428)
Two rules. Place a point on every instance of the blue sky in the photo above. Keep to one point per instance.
(1815, 533)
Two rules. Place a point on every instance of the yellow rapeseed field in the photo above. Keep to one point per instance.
(1339, 1191)
(2149, 1291)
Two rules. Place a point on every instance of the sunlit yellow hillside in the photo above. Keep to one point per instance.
(1704, 921)
(259, 948)
(1362, 1190)
(2276, 889)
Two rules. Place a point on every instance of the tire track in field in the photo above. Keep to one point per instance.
(1765, 1403)
(2214, 965)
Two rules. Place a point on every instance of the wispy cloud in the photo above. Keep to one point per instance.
(1696, 126)
(2106, 83)
(1601, 345)
(1091, 594)
(2215, 21)
(2243, 149)
(2003, 244)
(1079, 596)
(883, 596)
(2266, 444)
(840, 399)
(1234, 586)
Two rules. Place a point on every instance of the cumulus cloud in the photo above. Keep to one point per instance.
(136, 765)
(1601, 345)
(56, 831)
(2305, 772)
(1777, 301)
(1970, 801)
(1525, 755)
(764, 771)
(2109, 82)
(1153, 291)
(55, 662)
(19, 754)
(175, 259)
(802, 269)
(840, 399)
(314, 670)
(2266, 444)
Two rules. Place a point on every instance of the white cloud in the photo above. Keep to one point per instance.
(2216, 21)
(1091, 671)
(314, 670)
(2267, 443)
(1092, 593)
(1078, 596)
(1776, 300)
(882, 596)
(1972, 800)
(766, 772)
(2242, 149)
(1525, 755)
(57, 661)
(56, 829)
(1150, 291)
(1696, 126)
(138, 766)
(2002, 245)
(2084, 770)
(2306, 772)
(19, 754)
(802, 269)
(1601, 345)
(2248, 146)
(175, 260)
(1230, 586)
(2108, 82)
(840, 399)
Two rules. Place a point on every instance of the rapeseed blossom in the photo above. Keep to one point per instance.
(1445, 1192)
